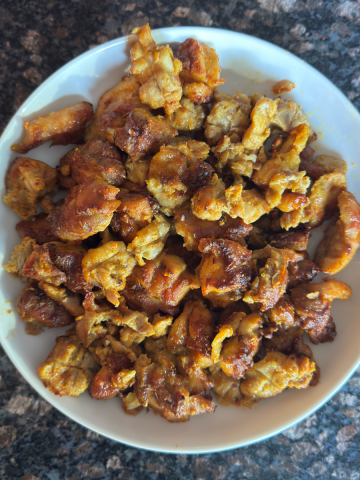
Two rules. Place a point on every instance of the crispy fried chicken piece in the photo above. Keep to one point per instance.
(135, 212)
(176, 172)
(224, 272)
(283, 338)
(302, 271)
(226, 389)
(107, 267)
(112, 109)
(160, 284)
(156, 69)
(296, 240)
(62, 127)
(40, 266)
(321, 165)
(300, 349)
(249, 205)
(37, 308)
(66, 298)
(161, 324)
(273, 374)
(230, 116)
(149, 242)
(341, 238)
(96, 160)
(209, 203)
(38, 229)
(69, 368)
(189, 117)
(232, 159)
(19, 257)
(194, 229)
(312, 305)
(68, 259)
(283, 312)
(26, 181)
(143, 134)
(192, 368)
(283, 86)
(200, 69)
(88, 209)
(138, 171)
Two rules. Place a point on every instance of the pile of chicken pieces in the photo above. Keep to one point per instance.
(180, 247)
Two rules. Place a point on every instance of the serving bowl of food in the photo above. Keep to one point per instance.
(183, 246)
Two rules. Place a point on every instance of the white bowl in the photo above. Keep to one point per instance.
(249, 65)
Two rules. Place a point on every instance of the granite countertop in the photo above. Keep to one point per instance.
(38, 37)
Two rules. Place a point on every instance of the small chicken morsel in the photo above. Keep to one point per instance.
(38, 229)
(19, 257)
(135, 212)
(189, 117)
(69, 368)
(232, 159)
(282, 339)
(249, 205)
(138, 171)
(68, 299)
(62, 127)
(26, 182)
(312, 304)
(194, 229)
(341, 238)
(38, 309)
(230, 116)
(296, 240)
(176, 172)
(112, 109)
(200, 70)
(192, 367)
(224, 272)
(39, 265)
(283, 86)
(156, 69)
(107, 267)
(96, 160)
(282, 313)
(275, 373)
(226, 389)
(321, 165)
(143, 134)
(88, 209)
(301, 271)
(160, 284)
(208, 203)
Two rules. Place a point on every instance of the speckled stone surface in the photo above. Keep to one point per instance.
(36, 38)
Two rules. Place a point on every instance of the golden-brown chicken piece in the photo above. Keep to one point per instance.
(38, 229)
(149, 242)
(271, 283)
(143, 134)
(224, 272)
(273, 374)
(282, 313)
(301, 271)
(296, 240)
(62, 127)
(35, 307)
(69, 300)
(138, 171)
(19, 257)
(194, 229)
(112, 109)
(131, 404)
(249, 205)
(176, 172)
(329, 164)
(341, 238)
(69, 368)
(283, 86)
(200, 69)
(107, 267)
(232, 159)
(282, 339)
(135, 212)
(88, 209)
(160, 284)
(189, 117)
(208, 203)
(26, 181)
(40, 266)
(192, 368)
(226, 389)
(230, 116)
(156, 69)
(96, 160)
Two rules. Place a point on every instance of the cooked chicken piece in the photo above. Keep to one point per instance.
(149, 242)
(329, 164)
(200, 330)
(312, 305)
(175, 246)
(112, 109)
(19, 257)
(283, 338)
(176, 172)
(341, 238)
(256, 238)
(230, 116)
(271, 283)
(131, 404)
(249, 205)
(68, 259)
(135, 327)
(189, 117)
(136, 211)
(179, 331)
(192, 369)
(26, 181)
(224, 272)
(39, 265)
(209, 203)
(38, 229)
(302, 271)
(193, 229)
(62, 127)
(69, 300)
(274, 373)
(138, 171)
(226, 389)
(69, 368)
(161, 324)
(156, 69)
(300, 349)
(200, 69)
(287, 191)
(160, 284)
(283, 312)
(161, 388)
(107, 267)
(232, 159)
(96, 160)
(88, 209)
(321, 165)
(283, 86)
(37, 308)
(143, 134)
(296, 240)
